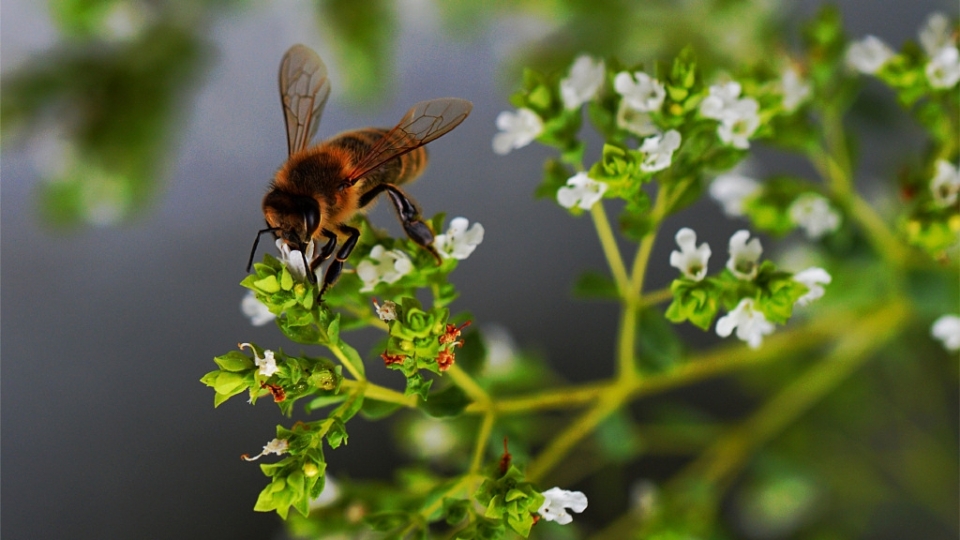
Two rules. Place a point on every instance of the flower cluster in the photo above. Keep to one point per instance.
(756, 295)
(738, 117)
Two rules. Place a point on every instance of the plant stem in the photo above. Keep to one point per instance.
(470, 387)
(486, 427)
(656, 297)
(338, 352)
(610, 249)
(381, 393)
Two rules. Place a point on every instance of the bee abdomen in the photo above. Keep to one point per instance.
(399, 170)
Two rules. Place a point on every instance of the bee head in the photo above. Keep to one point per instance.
(293, 218)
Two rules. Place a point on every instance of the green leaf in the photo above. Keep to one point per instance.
(450, 401)
(418, 385)
(593, 284)
(268, 284)
(234, 361)
(455, 510)
(374, 409)
(387, 521)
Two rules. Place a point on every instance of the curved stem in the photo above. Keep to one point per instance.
(610, 249)
(486, 427)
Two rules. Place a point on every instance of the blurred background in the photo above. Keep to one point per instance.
(138, 140)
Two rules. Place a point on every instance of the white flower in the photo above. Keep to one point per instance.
(813, 278)
(328, 495)
(383, 265)
(583, 83)
(868, 55)
(640, 91)
(691, 260)
(256, 310)
(739, 122)
(634, 121)
(386, 312)
(813, 213)
(945, 184)
(659, 151)
(556, 501)
(267, 364)
(744, 256)
(947, 330)
(581, 191)
(516, 130)
(275, 446)
(731, 190)
(795, 89)
(750, 323)
(722, 97)
(943, 70)
(935, 34)
(295, 261)
(459, 242)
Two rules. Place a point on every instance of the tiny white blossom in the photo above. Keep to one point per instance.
(814, 278)
(294, 260)
(943, 70)
(267, 364)
(275, 446)
(581, 191)
(935, 34)
(795, 89)
(739, 122)
(945, 184)
(750, 323)
(584, 81)
(636, 122)
(328, 495)
(744, 256)
(947, 330)
(813, 213)
(722, 97)
(691, 260)
(383, 265)
(556, 501)
(387, 311)
(659, 151)
(516, 130)
(458, 242)
(868, 55)
(256, 310)
(731, 190)
(640, 91)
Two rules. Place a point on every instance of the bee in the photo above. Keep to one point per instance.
(320, 188)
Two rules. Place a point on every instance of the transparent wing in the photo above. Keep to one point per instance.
(304, 90)
(424, 122)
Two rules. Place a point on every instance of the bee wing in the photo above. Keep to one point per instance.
(424, 122)
(304, 90)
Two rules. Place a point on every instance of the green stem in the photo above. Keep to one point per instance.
(380, 393)
(486, 427)
(656, 297)
(338, 352)
(470, 387)
(610, 249)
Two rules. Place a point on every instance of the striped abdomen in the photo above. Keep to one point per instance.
(400, 170)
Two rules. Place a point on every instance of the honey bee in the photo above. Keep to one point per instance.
(322, 187)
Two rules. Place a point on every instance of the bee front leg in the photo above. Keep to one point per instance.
(333, 271)
(416, 229)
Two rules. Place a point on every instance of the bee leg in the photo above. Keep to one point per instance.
(324, 254)
(417, 230)
(333, 271)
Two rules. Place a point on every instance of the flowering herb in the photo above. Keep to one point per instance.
(669, 134)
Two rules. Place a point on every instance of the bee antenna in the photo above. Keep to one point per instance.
(256, 242)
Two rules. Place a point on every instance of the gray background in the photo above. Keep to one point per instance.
(107, 432)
